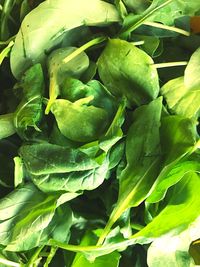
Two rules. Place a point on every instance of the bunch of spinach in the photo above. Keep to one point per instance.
(99, 134)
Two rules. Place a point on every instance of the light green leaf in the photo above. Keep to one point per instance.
(170, 176)
(173, 250)
(178, 137)
(80, 260)
(91, 121)
(182, 94)
(128, 71)
(178, 141)
(4, 53)
(191, 78)
(143, 161)
(59, 69)
(181, 210)
(6, 125)
(36, 35)
(91, 104)
(29, 218)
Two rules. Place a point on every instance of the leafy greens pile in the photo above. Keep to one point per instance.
(99, 142)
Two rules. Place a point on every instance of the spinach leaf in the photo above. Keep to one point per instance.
(80, 260)
(143, 160)
(29, 111)
(128, 71)
(37, 36)
(162, 11)
(75, 181)
(173, 250)
(183, 200)
(167, 179)
(58, 69)
(6, 125)
(46, 158)
(91, 103)
(95, 119)
(25, 213)
(182, 94)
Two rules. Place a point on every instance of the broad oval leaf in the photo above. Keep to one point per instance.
(128, 71)
(184, 200)
(79, 123)
(47, 158)
(44, 26)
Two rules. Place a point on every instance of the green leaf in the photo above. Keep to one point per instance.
(143, 160)
(59, 69)
(184, 200)
(162, 11)
(29, 111)
(75, 181)
(138, 6)
(37, 36)
(178, 137)
(191, 78)
(182, 94)
(170, 176)
(24, 214)
(45, 158)
(4, 53)
(128, 71)
(174, 10)
(173, 250)
(142, 154)
(6, 125)
(91, 104)
(178, 141)
(80, 260)
(69, 115)
(28, 218)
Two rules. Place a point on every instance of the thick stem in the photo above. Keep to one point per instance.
(166, 27)
(53, 93)
(170, 64)
(83, 48)
(9, 263)
(50, 256)
(33, 259)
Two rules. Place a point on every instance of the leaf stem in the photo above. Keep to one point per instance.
(50, 256)
(81, 49)
(6, 51)
(12, 38)
(166, 27)
(9, 263)
(33, 259)
(138, 43)
(170, 64)
(141, 21)
(78, 248)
